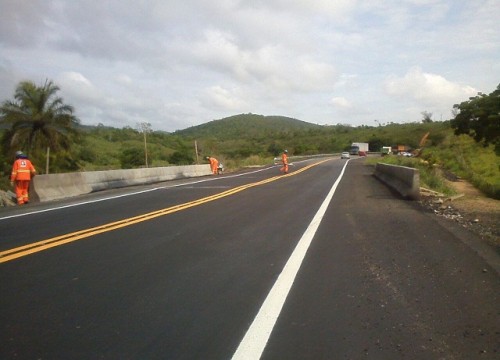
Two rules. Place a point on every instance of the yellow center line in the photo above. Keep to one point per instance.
(35, 247)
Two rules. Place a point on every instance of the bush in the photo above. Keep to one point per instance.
(180, 158)
(430, 174)
(469, 160)
(132, 158)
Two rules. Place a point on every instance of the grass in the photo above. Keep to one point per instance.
(431, 176)
(459, 155)
(469, 160)
(5, 183)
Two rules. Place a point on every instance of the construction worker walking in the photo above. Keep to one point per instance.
(284, 160)
(214, 164)
(22, 172)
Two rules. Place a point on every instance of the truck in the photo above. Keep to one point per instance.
(402, 150)
(359, 148)
(386, 150)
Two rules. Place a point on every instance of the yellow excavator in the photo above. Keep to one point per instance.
(421, 145)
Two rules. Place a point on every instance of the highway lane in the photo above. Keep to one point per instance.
(188, 284)
(100, 210)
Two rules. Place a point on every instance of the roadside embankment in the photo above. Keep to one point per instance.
(58, 186)
(404, 180)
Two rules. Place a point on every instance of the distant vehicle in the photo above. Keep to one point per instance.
(386, 150)
(406, 154)
(357, 148)
(345, 155)
(403, 148)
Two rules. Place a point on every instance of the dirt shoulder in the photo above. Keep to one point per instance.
(470, 208)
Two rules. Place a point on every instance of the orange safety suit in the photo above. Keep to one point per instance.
(284, 160)
(22, 172)
(214, 164)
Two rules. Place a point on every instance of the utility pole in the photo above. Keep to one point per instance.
(47, 161)
(196, 151)
(145, 127)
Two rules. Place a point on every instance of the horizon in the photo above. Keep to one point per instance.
(178, 65)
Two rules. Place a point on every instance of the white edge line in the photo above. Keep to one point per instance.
(253, 343)
(129, 194)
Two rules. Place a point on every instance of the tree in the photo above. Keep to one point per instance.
(180, 158)
(37, 119)
(145, 128)
(479, 117)
(426, 117)
(131, 158)
(274, 149)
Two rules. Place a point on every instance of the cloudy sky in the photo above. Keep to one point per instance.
(179, 63)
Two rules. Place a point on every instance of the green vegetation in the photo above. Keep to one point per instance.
(239, 141)
(464, 157)
(37, 121)
(459, 155)
(431, 176)
(104, 148)
(479, 117)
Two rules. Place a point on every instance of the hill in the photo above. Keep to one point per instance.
(249, 139)
(246, 126)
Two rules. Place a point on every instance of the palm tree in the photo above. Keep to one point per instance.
(37, 120)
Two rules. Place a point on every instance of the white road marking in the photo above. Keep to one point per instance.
(134, 193)
(131, 194)
(255, 340)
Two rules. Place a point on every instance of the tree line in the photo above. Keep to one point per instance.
(38, 122)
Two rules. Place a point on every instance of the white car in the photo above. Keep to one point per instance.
(345, 155)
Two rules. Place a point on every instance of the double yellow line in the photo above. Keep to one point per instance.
(35, 247)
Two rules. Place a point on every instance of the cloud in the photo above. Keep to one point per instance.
(332, 9)
(19, 19)
(78, 87)
(430, 89)
(171, 63)
(123, 79)
(274, 66)
(341, 102)
(8, 80)
(220, 98)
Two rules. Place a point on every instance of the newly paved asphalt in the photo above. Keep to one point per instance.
(180, 270)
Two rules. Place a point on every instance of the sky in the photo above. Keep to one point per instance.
(180, 63)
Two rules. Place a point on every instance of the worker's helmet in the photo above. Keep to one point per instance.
(19, 152)
(207, 157)
(285, 151)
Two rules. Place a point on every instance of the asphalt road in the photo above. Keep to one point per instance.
(325, 263)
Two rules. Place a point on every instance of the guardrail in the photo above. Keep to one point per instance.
(58, 186)
(404, 180)
(49, 187)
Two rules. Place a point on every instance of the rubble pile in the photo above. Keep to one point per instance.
(7, 198)
(441, 205)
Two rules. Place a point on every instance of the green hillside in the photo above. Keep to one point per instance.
(247, 126)
(249, 139)
(245, 135)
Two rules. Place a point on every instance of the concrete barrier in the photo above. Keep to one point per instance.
(59, 186)
(404, 180)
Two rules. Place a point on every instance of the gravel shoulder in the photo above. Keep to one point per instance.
(470, 208)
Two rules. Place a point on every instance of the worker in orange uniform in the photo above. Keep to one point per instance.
(214, 164)
(22, 172)
(284, 160)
